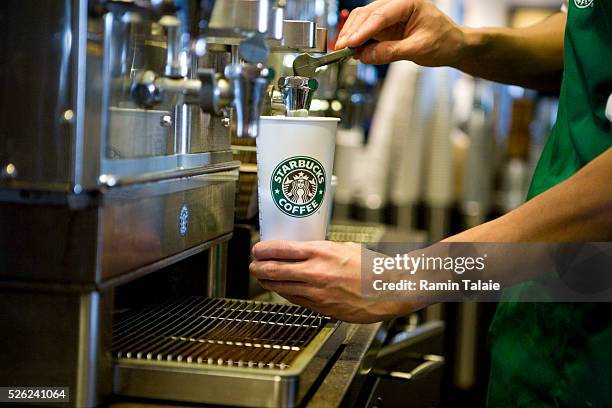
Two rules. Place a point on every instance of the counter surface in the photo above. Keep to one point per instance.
(359, 352)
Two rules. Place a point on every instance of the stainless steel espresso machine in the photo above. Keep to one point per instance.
(117, 193)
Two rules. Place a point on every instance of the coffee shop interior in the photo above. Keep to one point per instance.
(129, 200)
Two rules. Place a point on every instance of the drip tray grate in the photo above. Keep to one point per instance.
(216, 332)
(365, 234)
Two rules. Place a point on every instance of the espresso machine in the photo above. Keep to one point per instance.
(118, 186)
(117, 199)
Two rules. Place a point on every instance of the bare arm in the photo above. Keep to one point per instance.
(325, 276)
(577, 210)
(531, 57)
(416, 30)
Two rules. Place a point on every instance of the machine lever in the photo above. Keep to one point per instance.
(305, 65)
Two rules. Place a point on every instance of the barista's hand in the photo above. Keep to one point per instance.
(413, 30)
(322, 276)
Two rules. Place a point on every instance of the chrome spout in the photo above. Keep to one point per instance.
(249, 82)
(297, 94)
(177, 63)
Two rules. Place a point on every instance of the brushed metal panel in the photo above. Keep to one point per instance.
(57, 340)
(139, 133)
(115, 232)
(137, 233)
(208, 131)
(37, 70)
(209, 134)
(47, 243)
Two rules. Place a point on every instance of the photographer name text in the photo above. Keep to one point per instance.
(425, 285)
(410, 265)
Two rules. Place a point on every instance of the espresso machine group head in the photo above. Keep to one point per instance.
(244, 81)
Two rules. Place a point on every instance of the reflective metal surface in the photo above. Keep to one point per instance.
(55, 338)
(297, 94)
(204, 350)
(67, 71)
(141, 227)
(235, 17)
(113, 234)
(249, 84)
(115, 162)
(39, 99)
(217, 270)
(155, 137)
(299, 34)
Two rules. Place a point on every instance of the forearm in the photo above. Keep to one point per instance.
(531, 57)
(577, 210)
(329, 277)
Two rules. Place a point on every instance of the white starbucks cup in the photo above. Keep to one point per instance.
(295, 158)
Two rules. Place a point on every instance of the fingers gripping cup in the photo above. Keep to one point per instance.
(294, 164)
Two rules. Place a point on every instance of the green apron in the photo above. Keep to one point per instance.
(560, 354)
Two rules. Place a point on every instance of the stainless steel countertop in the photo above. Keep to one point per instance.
(361, 347)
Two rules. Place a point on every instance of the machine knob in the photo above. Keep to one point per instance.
(215, 93)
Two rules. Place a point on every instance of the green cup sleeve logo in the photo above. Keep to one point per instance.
(298, 186)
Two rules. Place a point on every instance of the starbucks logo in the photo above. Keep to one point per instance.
(583, 3)
(298, 186)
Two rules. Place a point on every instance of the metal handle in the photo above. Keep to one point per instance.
(305, 65)
(431, 362)
(335, 56)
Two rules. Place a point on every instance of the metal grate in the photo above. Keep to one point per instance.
(198, 330)
(356, 233)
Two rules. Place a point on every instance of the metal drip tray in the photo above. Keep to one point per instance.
(221, 351)
(366, 234)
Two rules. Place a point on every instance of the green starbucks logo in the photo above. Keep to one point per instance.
(298, 186)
